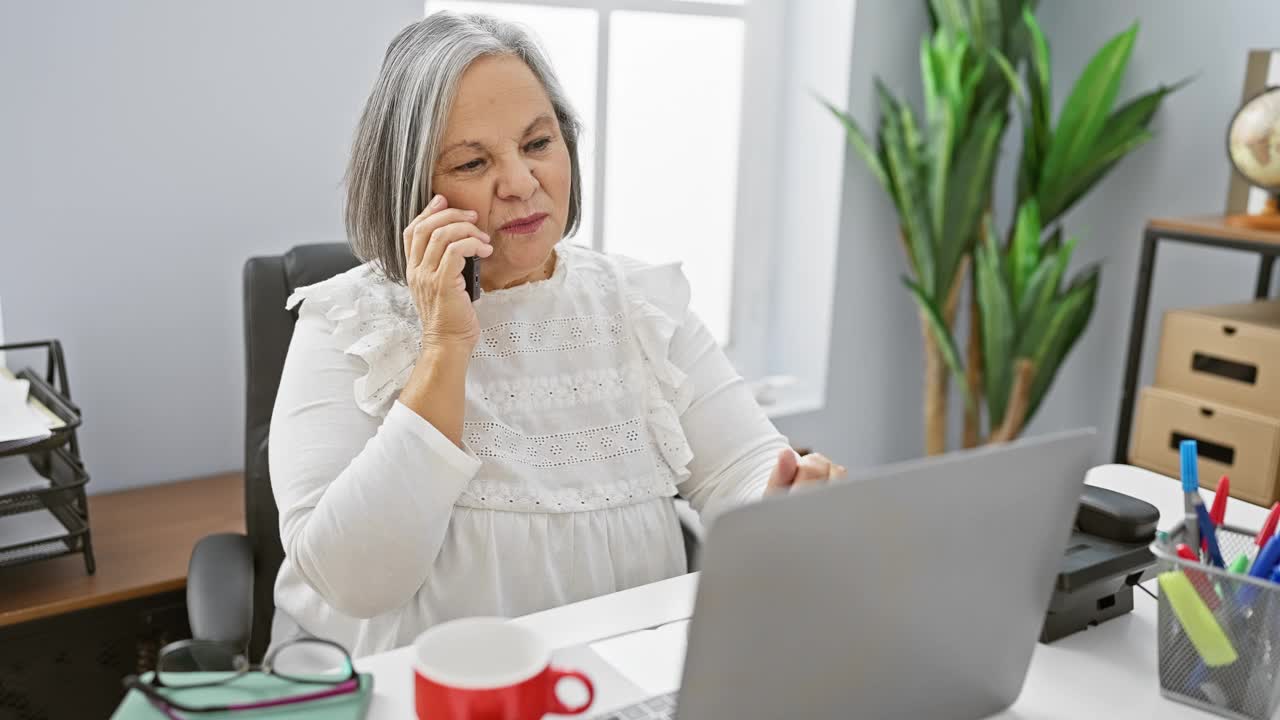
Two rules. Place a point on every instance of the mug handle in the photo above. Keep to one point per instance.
(560, 708)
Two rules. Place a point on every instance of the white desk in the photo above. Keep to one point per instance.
(1106, 671)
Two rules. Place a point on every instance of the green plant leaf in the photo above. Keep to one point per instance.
(950, 14)
(1042, 305)
(1054, 241)
(968, 189)
(931, 80)
(1037, 128)
(1139, 111)
(984, 23)
(1010, 76)
(941, 119)
(969, 89)
(1016, 43)
(858, 141)
(997, 327)
(1024, 251)
(1068, 324)
(1085, 112)
(1096, 168)
(941, 333)
(1033, 299)
(902, 150)
(1124, 132)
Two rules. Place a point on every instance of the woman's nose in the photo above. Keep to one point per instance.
(516, 180)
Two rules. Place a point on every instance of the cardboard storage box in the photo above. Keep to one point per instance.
(1231, 441)
(1226, 353)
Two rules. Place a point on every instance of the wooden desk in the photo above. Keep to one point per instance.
(61, 628)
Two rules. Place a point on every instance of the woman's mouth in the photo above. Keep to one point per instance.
(524, 225)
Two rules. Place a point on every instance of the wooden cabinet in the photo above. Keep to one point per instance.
(67, 639)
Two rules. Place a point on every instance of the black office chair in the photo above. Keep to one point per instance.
(231, 578)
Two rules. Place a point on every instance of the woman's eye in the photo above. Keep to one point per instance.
(539, 144)
(473, 165)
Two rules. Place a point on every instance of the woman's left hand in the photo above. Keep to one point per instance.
(794, 470)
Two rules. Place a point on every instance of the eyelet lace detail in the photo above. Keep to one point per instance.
(495, 440)
(498, 495)
(560, 391)
(517, 337)
(631, 315)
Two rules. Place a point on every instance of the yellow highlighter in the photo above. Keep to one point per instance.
(1197, 621)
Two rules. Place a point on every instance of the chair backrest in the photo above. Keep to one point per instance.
(268, 328)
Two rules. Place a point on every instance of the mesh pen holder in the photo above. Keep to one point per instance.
(1218, 632)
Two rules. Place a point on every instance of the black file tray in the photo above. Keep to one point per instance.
(55, 458)
(55, 397)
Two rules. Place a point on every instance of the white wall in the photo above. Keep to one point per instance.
(147, 148)
(874, 372)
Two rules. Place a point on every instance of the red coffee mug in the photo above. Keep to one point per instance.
(488, 669)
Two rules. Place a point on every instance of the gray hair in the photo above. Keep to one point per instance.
(400, 131)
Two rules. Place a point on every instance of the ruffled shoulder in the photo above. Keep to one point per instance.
(373, 319)
(657, 300)
(663, 286)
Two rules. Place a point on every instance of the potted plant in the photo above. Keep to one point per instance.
(1025, 312)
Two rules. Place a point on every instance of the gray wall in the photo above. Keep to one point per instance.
(873, 413)
(147, 149)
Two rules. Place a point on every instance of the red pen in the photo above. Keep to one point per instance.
(1201, 582)
(1218, 511)
(1186, 553)
(1269, 527)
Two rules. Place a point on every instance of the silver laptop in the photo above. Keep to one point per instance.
(913, 591)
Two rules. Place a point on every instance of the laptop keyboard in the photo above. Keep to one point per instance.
(660, 707)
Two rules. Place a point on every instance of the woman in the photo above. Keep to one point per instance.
(434, 458)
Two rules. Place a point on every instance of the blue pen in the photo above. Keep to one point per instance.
(1190, 492)
(1263, 566)
(1208, 532)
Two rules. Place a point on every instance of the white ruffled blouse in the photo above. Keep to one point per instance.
(593, 398)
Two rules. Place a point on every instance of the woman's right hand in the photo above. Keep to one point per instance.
(436, 245)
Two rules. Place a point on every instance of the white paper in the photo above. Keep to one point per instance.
(17, 420)
(16, 475)
(652, 659)
(28, 527)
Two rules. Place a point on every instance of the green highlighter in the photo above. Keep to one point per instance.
(1197, 620)
(1240, 565)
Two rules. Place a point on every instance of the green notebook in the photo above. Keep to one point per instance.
(249, 688)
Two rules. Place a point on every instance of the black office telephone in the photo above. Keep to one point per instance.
(1107, 555)
(1115, 516)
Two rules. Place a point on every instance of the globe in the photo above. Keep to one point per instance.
(1253, 142)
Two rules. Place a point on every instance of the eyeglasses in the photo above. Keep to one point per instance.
(204, 663)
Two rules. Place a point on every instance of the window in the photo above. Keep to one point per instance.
(676, 154)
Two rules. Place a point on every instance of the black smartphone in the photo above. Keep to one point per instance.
(471, 276)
